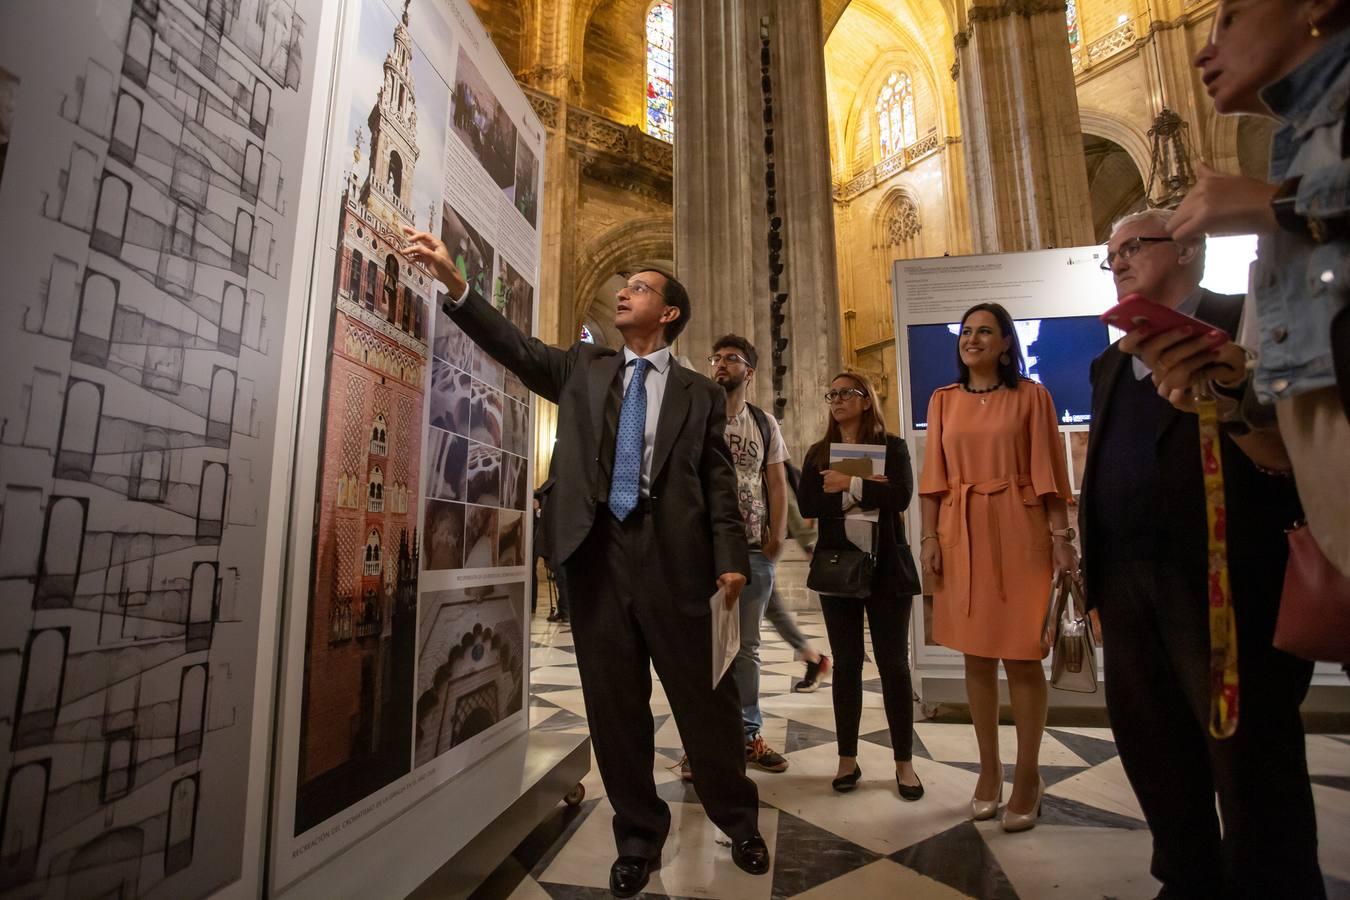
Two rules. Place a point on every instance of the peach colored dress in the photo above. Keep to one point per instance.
(992, 459)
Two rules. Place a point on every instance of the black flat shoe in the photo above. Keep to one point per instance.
(629, 874)
(751, 855)
(909, 792)
(845, 783)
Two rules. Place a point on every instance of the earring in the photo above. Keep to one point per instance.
(1005, 359)
(1313, 29)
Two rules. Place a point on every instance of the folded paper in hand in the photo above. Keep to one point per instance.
(726, 634)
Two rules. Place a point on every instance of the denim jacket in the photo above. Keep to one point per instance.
(1300, 284)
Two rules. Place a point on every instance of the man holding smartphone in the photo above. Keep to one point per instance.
(1146, 560)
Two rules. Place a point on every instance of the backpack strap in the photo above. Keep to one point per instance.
(762, 420)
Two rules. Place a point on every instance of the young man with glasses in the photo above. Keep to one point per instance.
(758, 454)
(643, 518)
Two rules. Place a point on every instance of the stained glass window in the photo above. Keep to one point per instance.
(586, 336)
(661, 71)
(1071, 23)
(895, 114)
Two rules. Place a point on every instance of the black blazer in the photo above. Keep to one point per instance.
(1260, 507)
(693, 485)
(895, 572)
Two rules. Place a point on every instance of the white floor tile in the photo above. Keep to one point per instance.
(956, 743)
(1071, 861)
(1103, 786)
(696, 861)
(883, 879)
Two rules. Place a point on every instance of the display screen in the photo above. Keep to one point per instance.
(1058, 354)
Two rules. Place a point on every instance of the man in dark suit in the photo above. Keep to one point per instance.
(644, 520)
(1145, 554)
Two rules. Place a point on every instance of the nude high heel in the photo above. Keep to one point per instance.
(980, 810)
(1025, 821)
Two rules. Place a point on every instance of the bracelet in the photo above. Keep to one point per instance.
(928, 537)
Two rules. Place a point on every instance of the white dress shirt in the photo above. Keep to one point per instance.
(655, 381)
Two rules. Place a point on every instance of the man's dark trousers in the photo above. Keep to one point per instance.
(623, 621)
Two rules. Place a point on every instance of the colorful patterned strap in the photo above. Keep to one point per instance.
(1223, 643)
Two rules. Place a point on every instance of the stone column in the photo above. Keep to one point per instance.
(721, 226)
(1026, 175)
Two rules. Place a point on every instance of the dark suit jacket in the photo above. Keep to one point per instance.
(1260, 507)
(895, 563)
(693, 485)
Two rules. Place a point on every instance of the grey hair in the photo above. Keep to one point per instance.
(1161, 218)
(1158, 216)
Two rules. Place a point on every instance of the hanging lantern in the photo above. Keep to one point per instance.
(1170, 174)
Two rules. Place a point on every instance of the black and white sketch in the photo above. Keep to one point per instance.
(443, 536)
(515, 388)
(156, 194)
(481, 122)
(471, 664)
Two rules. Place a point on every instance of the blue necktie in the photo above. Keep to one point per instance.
(623, 490)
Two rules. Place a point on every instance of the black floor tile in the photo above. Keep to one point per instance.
(1093, 751)
(959, 858)
(806, 856)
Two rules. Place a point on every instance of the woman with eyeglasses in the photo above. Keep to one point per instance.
(827, 495)
(993, 492)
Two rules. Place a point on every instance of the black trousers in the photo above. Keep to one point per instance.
(624, 621)
(888, 616)
(1155, 632)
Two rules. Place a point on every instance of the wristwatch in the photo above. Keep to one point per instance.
(1290, 219)
(1067, 533)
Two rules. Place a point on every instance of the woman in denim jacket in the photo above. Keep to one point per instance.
(1290, 60)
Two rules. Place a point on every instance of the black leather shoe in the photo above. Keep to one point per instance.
(845, 783)
(907, 791)
(628, 876)
(752, 855)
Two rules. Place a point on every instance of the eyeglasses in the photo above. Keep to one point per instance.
(1130, 248)
(638, 289)
(719, 358)
(847, 393)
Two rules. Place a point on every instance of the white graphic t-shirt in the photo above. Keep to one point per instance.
(747, 454)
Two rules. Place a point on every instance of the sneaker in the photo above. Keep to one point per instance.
(686, 770)
(814, 672)
(762, 756)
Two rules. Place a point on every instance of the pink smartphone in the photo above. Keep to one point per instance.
(1136, 311)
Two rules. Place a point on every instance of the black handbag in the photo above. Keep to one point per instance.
(843, 571)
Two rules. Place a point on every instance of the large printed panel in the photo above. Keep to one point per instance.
(151, 153)
(413, 467)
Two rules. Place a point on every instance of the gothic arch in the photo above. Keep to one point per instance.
(913, 60)
(1131, 139)
(621, 248)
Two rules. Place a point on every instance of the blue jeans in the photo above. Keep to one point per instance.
(745, 667)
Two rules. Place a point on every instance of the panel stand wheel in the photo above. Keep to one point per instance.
(575, 796)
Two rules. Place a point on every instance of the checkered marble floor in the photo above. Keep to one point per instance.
(1091, 841)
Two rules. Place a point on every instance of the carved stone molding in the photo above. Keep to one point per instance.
(1015, 8)
(902, 223)
(1120, 38)
(883, 171)
(545, 106)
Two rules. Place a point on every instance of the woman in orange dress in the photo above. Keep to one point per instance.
(995, 528)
